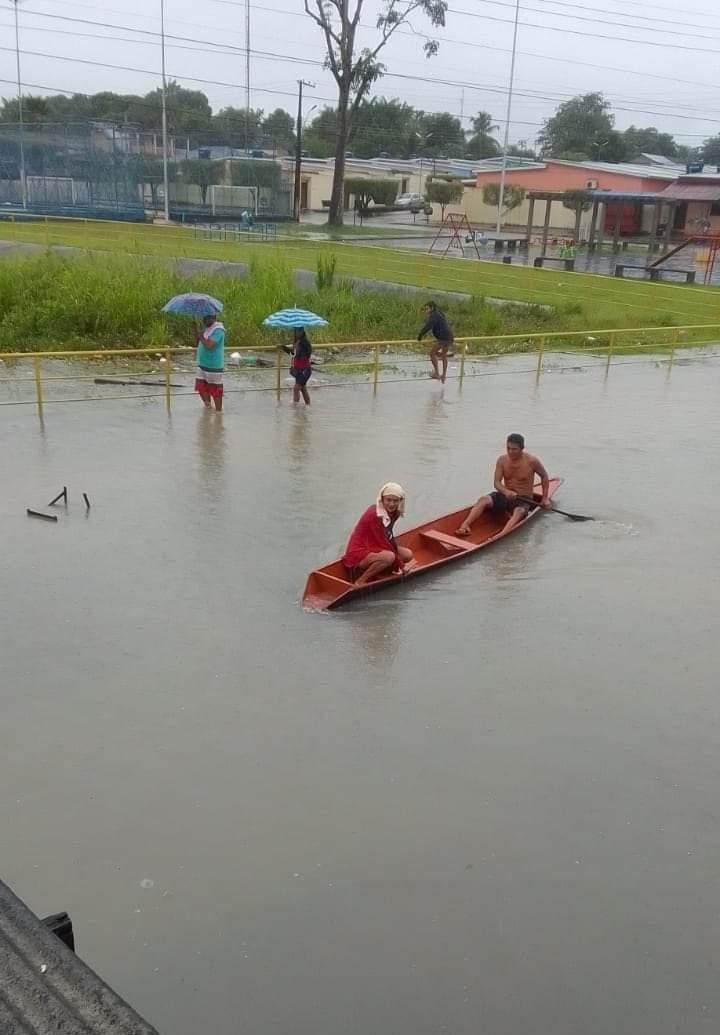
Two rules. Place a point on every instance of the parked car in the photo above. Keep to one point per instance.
(415, 202)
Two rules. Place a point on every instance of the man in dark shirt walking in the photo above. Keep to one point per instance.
(436, 323)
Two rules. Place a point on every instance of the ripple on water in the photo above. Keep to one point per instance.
(613, 529)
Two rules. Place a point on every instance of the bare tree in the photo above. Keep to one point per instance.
(355, 74)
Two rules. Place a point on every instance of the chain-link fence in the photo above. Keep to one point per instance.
(108, 170)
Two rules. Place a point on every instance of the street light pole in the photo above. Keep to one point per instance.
(501, 193)
(23, 180)
(166, 189)
(298, 149)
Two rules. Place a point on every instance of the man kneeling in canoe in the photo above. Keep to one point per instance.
(371, 548)
(514, 480)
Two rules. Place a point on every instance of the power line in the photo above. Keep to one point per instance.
(589, 35)
(676, 31)
(226, 47)
(296, 59)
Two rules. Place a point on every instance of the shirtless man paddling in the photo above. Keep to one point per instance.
(514, 480)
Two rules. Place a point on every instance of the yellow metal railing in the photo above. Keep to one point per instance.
(607, 342)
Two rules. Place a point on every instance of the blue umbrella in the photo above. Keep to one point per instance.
(193, 304)
(290, 318)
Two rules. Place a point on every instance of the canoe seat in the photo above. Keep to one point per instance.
(450, 542)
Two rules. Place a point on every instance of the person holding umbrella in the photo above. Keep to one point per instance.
(301, 349)
(301, 364)
(210, 340)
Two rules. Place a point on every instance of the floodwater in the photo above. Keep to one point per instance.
(487, 802)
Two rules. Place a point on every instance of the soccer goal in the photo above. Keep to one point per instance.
(223, 198)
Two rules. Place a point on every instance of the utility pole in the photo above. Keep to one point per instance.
(298, 149)
(23, 179)
(166, 189)
(501, 193)
(247, 76)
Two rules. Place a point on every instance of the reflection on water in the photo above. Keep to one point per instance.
(497, 784)
(210, 453)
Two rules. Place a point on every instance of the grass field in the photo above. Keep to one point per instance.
(49, 302)
(580, 300)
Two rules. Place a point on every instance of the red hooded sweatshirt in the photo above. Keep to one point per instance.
(370, 535)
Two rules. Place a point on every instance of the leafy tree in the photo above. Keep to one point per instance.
(521, 150)
(248, 173)
(443, 192)
(354, 73)
(278, 129)
(513, 196)
(319, 137)
(201, 172)
(580, 125)
(148, 172)
(649, 141)
(235, 126)
(578, 201)
(440, 135)
(188, 111)
(612, 149)
(482, 144)
(365, 190)
(384, 126)
(711, 150)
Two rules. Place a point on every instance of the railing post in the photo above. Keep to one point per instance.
(540, 360)
(38, 386)
(278, 374)
(168, 368)
(47, 232)
(673, 346)
(462, 362)
(376, 371)
(610, 352)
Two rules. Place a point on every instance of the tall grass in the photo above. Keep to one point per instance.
(51, 302)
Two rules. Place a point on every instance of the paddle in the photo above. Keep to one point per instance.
(556, 510)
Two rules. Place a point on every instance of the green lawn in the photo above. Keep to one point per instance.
(583, 300)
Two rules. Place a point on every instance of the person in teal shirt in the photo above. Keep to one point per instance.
(210, 338)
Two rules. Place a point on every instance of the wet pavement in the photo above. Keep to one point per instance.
(486, 802)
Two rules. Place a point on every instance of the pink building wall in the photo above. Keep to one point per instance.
(556, 176)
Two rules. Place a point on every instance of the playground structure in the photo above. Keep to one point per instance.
(460, 233)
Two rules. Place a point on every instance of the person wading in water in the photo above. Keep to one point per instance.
(436, 323)
(301, 365)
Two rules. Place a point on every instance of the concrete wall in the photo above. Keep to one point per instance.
(697, 213)
(319, 181)
(553, 177)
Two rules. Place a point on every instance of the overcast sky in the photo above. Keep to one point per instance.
(654, 72)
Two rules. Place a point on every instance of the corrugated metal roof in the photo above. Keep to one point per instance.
(46, 989)
(626, 195)
(691, 192)
(644, 172)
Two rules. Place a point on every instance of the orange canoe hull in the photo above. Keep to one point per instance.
(433, 544)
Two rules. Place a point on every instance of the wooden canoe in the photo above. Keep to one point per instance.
(433, 544)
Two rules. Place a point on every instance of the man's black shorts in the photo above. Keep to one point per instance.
(502, 505)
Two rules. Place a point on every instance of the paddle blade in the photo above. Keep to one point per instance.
(573, 517)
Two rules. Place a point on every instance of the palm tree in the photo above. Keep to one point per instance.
(483, 125)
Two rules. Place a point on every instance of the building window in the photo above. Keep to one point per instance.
(715, 208)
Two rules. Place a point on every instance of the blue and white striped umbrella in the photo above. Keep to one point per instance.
(193, 304)
(290, 318)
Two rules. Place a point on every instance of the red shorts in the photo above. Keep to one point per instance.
(209, 382)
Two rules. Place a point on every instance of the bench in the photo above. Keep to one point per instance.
(568, 264)
(656, 273)
(448, 542)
